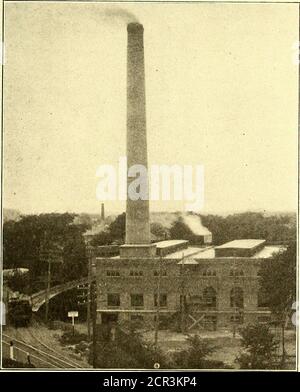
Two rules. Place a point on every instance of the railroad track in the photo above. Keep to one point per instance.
(21, 356)
(39, 358)
(40, 344)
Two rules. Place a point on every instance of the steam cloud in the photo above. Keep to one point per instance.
(195, 224)
(119, 14)
(192, 221)
(110, 15)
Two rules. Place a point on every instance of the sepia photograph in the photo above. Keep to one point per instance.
(149, 187)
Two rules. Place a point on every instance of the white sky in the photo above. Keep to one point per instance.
(221, 91)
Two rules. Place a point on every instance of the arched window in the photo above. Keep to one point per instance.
(210, 297)
(237, 298)
(209, 272)
(236, 272)
(237, 318)
(262, 298)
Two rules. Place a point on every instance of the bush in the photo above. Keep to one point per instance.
(194, 357)
(111, 356)
(128, 351)
(259, 347)
(67, 338)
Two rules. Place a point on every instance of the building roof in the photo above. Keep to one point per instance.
(268, 251)
(188, 261)
(168, 243)
(265, 252)
(193, 255)
(188, 252)
(241, 244)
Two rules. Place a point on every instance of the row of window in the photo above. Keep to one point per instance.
(210, 321)
(112, 273)
(138, 273)
(233, 272)
(209, 272)
(236, 272)
(208, 299)
(136, 300)
(135, 273)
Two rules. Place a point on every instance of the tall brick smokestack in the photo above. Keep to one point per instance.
(137, 211)
(137, 242)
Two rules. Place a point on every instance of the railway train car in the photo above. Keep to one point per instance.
(19, 310)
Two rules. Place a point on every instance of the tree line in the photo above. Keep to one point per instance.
(28, 243)
(25, 241)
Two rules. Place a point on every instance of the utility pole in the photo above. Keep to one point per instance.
(182, 301)
(94, 316)
(89, 255)
(235, 321)
(283, 357)
(48, 291)
(91, 300)
(49, 255)
(157, 305)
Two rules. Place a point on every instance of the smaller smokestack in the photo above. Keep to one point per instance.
(102, 212)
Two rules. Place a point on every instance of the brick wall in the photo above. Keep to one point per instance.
(190, 280)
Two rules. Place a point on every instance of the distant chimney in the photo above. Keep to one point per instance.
(137, 241)
(102, 212)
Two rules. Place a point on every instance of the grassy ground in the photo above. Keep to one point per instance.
(227, 348)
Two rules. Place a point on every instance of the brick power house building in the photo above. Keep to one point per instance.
(192, 286)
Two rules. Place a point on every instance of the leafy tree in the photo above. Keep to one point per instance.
(179, 230)
(278, 281)
(114, 233)
(61, 304)
(112, 356)
(117, 227)
(24, 239)
(273, 228)
(195, 356)
(103, 238)
(128, 350)
(19, 282)
(279, 228)
(159, 230)
(259, 347)
(145, 353)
